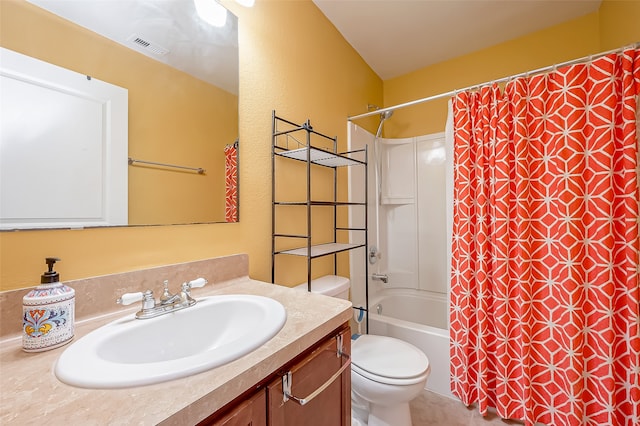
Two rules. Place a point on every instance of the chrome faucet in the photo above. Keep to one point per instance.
(380, 277)
(168, 302)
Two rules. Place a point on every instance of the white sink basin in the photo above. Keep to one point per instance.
(132, 352)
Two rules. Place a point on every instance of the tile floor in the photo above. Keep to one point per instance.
(431, 409)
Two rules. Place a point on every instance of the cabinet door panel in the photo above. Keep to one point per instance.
(252, 412)
(332, 407)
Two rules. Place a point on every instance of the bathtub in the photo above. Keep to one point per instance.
(420, 318)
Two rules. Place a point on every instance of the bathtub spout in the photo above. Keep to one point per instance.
(380, 277)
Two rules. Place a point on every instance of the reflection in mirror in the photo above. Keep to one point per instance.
(58, 125)
(182, 83)
(232, 187)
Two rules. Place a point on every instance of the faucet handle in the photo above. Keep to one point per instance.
(129, 298)
(186, 290)
(148, 301)
(198, 282)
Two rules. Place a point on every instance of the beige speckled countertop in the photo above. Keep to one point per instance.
(31, 394)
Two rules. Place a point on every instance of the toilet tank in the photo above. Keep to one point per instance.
(329, 285)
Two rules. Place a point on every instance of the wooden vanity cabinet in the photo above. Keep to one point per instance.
(320, 368)
(316, 369)
(252, 412)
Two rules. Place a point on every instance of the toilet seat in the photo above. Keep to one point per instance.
(388, 360)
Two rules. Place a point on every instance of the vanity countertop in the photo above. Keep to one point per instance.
(31, 394)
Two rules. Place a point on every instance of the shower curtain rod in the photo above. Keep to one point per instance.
(500, 80)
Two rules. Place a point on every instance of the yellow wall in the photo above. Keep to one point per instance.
(563, 42)
(615, 24)
(619, 23)
(291, 60)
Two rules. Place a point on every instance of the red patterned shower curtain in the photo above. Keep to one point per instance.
(231, 182)
(545, 276)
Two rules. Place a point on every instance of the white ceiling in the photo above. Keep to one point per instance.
(176, 35)
(393, 36)
(396, 37)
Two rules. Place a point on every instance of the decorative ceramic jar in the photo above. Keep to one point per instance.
(48, 313)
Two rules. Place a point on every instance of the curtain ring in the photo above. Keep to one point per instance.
(508, 82)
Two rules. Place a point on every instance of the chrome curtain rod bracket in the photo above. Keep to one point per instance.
(500, 80)
(198, 170)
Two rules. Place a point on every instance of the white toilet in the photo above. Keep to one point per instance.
(386, 373)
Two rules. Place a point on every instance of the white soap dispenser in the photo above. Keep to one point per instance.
(48, 313)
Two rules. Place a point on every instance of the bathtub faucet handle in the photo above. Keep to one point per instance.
(374, 255)
(380, 277)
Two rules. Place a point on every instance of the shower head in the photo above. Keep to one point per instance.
(383, 116)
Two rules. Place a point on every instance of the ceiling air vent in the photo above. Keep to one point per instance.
(147, 45)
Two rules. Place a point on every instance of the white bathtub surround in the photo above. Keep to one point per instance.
(419, 307)
(411, 228)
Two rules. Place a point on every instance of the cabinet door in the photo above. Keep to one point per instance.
(252, 412)
(332, 406)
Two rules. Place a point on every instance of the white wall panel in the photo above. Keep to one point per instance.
(432, 211)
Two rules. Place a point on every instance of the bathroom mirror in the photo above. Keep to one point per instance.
(181, 75)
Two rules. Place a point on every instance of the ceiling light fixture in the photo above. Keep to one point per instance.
(214, 13)
(211, 12)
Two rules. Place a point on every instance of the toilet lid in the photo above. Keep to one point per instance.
(388, 357)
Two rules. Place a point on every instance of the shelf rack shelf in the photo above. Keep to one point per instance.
(320, 250)
(293, 142)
